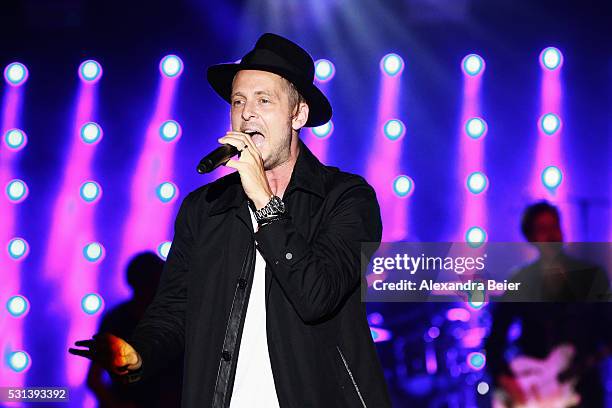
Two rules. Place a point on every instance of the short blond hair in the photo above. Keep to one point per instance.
(295, 97)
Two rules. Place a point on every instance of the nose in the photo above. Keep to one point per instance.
(248, 111)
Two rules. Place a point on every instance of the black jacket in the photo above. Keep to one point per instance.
(320, 346)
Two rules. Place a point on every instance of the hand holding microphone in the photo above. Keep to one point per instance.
(249, 166)
(219, 156)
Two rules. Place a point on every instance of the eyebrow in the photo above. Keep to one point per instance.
(257, 93)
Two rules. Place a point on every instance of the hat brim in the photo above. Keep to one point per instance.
(221, 76)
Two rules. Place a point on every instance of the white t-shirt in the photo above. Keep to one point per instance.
(254, 384)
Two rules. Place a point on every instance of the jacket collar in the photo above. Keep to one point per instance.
(227, 192)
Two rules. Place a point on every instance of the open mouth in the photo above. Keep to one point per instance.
(256, 136)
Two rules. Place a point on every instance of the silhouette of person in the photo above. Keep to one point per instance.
(143, 274)
(546, 338)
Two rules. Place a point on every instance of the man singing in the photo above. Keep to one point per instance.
(261, 288)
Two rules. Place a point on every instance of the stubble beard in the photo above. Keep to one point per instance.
(280, 154)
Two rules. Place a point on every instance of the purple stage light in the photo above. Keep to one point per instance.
(90, 71)
(392, 64)
(170, 131)
(18, 361)
(403, 186)
(551, 58)
(16, 190)
(15, 139)
(380, 335)
(18, 248)
(16, 74)
(18, 306)
(171, 66)
(476, 360)
(473, 65)
(91, 133)
(323, 131)
(324, 70)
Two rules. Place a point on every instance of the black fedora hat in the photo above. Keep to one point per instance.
(276, 54)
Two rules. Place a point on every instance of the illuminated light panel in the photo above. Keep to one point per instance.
(18, 248)
(16, 74)
(171, 66)
(477, 182)
(394, 129)
(475, 236)
(552, 177)
(18, 306)
(392, 64)
(323, 131)
(92, 303)
(551, 58)
(476, 128)
(16, 190)
(324, 70)
(170, 130)
(403, 186)
(90, 191)
(473, 65)
(91, 133)
(476, 360)
(15, 139)
(90, 71)
(18, 361)
(167, 192)
(93, 252)
(163, 249)
(550, 123)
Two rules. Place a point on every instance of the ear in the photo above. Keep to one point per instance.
(299, 119)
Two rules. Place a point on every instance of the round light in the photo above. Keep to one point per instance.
(392, 64)
(324, 70)
(403, 186)
(323, 131)
(551, 58)
(16, 190)
(550, 123)
(18, 361)
(476, 128)
(93, 252)
(473, 65)
(394, 129)
(18, 248)
(163, 249)
(167, 191)
(15, 74)
(17, 306)
(375, 319)
(90, 71)
(171, 66)
(482, 388)
(15, 139)
(90, 191)
(433, 332)
(477, 182)
(91, 133)
(475, 236)
(92, 303)
(170, 130)
(476, 360)
(552, 177)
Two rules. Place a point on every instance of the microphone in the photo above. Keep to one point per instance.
(216, 158)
